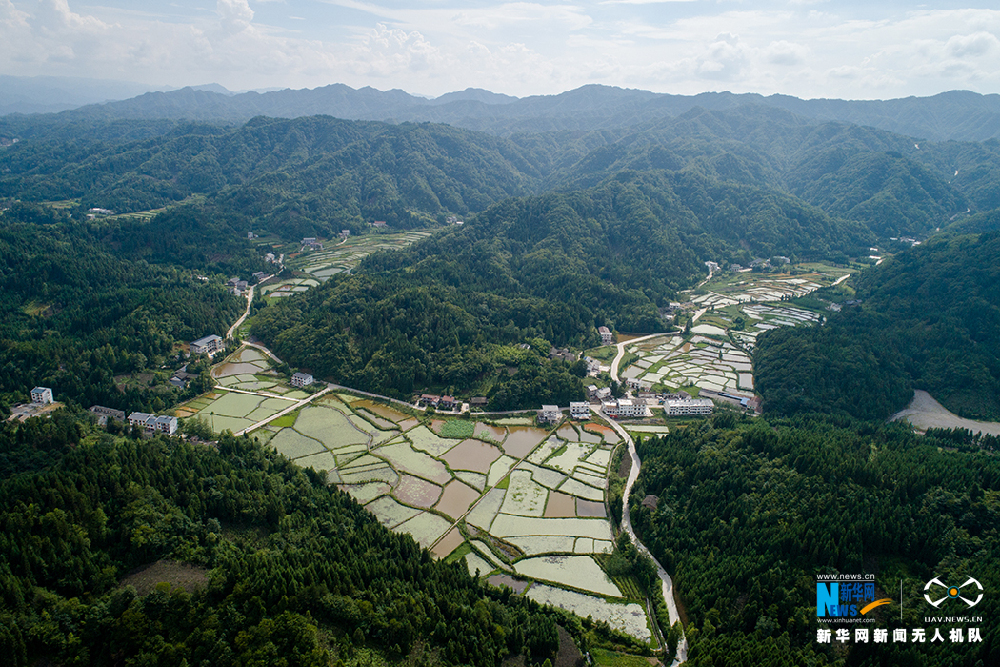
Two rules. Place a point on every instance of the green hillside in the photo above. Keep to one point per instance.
(929, 319)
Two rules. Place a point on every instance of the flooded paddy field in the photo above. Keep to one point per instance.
(339, 257)
(509, 499)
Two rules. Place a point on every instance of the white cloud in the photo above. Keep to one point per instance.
(521, 48)
(234, 15)
(785, 53)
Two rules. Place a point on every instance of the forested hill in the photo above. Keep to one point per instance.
(291, 176)
(266, 564)
(317, 175)
(449, 311)
(749, 513)
(958, 115)
(929, 319)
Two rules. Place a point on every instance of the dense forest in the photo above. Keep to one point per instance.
(750, 511)
(79, 307)
(929, 319)
(764, 178)
(289, 570)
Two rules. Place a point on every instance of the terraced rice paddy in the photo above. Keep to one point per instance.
(456, 499)
(538, 497)
(576, 571)
(235, 411)
(473, 455)
(417, 492)
(708, 360)
(339, 258)
(629, 618)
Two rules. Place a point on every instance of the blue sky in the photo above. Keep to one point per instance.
(806, 48)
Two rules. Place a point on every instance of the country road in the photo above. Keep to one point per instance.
(243, 317)
(668, 584)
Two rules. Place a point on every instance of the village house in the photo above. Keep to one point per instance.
(429, 400)
(549, 414)
(312, 243)
(42, 395)
(447, 403)
(301, 379)
(379, 224)
(478, 402)
(153, 423)
(606, 337)
(579, 409)
(593, 365)
(208, 345)
(563, 354)
(104, 414)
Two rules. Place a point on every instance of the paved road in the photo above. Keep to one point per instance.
(243, 317)
(621, 352)
(295, 406)
(668, 585)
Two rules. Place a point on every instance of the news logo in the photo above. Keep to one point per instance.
(845, 599)
(952, 592)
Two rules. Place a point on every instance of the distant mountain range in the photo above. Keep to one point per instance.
(956, 115)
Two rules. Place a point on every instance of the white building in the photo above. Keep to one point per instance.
(41, 395)
(579, 409)
(605, 335)
(549, 413)
(695, 406)
(208, 345)
(153, 423)
(165, 424)
(624, 407)
(603, 394)
(301, 379)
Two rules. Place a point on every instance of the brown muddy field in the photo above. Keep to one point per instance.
(522, 439)
(472, 455)
(560, 505)
(456, 499)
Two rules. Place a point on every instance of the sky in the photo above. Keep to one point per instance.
(807, 48)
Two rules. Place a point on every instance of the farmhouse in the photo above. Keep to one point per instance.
(447, 403)
(429, 400)
(379, 224)
(579, 409)
(208, 345)
(478, 402)
(549, 414)
(302, 379)
(153, 423)
(606, 338)
(106, 413)
(41, 395)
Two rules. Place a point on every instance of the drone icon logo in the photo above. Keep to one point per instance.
(953, 592)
